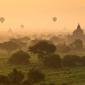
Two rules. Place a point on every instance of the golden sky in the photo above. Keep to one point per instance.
(36, 15)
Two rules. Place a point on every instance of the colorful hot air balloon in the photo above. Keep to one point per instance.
(2, 19)
(54, 19)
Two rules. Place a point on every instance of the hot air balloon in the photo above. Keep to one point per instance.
(54, 19)
(22, 26)
(2, 19)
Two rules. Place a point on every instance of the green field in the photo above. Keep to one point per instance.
(71, 76)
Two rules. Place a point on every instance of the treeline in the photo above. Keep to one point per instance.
(25, 42)
(47, 56)
(48, 61)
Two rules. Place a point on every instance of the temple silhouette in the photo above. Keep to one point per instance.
(78, 33)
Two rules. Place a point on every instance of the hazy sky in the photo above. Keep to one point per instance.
(37, 15)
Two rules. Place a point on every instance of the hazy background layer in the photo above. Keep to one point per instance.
(36, 15)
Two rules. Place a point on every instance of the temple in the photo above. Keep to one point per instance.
(78, 33)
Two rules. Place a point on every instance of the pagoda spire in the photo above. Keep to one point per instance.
(79, 27)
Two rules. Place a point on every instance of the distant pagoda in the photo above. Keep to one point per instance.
(78, 33)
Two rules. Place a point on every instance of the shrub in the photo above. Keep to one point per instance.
(71, 60)
(19, 58)
(36, 75)
(52, 61)
(16, 77)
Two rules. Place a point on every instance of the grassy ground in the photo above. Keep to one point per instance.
(71, 76)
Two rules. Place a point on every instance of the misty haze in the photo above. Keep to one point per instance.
(42, 42)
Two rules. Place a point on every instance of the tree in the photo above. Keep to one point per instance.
(83, 60)
(43, 84)
(43, 47)
(71, 60)
(16, 77)
(4, 80)
(13, 44)
(26, 82)
(77, 44)
(9, 46)
(19, 58)
(51, 83)
(52, 61)
(64, 84)
(63, 48)
(36, 75)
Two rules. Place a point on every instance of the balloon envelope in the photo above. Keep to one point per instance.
(22, 26)
(54, 19)
(2, 19)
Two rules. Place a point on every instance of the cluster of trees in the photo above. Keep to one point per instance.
(19, 58)
(17, 77)
(76, 45)
(46, 52)
(14, 44)
(20, 43)
(33, 77)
